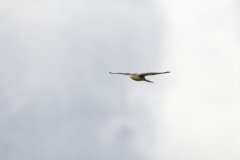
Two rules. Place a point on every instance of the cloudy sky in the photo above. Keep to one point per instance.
(58, 101)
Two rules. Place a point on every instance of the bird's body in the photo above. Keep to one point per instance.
(141, 77)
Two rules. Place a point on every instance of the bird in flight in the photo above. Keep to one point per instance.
(140, 77)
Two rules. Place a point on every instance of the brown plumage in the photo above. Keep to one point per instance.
(141, 77)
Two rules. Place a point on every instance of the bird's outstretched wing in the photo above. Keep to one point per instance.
(121, 73)
(151, 73)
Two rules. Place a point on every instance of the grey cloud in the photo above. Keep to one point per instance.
(57, 100)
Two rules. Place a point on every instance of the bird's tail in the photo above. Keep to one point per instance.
(148, 81)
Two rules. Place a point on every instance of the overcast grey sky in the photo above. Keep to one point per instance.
(58, 101)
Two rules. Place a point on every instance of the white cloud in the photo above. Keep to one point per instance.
(201, 104)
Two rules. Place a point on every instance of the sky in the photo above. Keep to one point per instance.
(58, 100)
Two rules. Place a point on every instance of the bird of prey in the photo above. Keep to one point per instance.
(141, 77)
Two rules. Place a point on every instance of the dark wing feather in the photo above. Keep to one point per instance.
(151, 73)
(121, 73)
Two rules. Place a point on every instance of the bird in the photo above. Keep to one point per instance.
(141, 76)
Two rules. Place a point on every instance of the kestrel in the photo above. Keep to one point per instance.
(141, 77)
